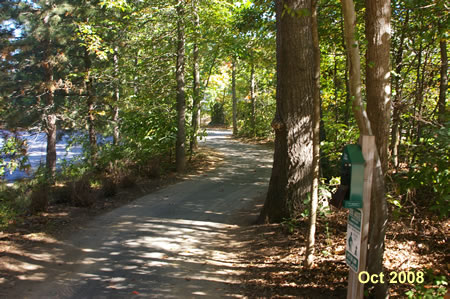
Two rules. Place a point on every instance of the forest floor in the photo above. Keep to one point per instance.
(276, 255)
(255, 261)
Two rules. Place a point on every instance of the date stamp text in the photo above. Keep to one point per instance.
(394, 277)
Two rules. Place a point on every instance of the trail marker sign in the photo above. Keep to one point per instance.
(358, 224)
(352, 250)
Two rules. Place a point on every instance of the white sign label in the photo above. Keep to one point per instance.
(352, 249)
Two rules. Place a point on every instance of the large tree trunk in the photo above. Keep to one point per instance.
(309, 260)
(196, 85)
(180, 154)
(291, 177)
(444, 82)
(115, 119)
(233, 92)
(378, 34)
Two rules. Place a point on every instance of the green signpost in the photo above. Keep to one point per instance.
(353, 158)
(358, 163)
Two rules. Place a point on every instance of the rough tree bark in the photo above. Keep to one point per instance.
(309, 260)
(196, 83)
(291, 177)
(180, 154)
(378, 89)
(233, 92)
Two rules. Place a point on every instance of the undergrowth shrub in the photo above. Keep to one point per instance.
(109, 187)
(39, 198)
(424, 184)
(13, 202)
(81, 192)
(128, 181)
(151, 169)
(13, 154)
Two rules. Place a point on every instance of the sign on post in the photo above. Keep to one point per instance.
(358, 224)
(352, 250)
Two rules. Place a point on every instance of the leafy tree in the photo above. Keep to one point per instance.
(41, 66)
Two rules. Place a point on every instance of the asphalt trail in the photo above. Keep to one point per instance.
(178, 242)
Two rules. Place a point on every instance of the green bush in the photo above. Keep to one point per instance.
(426, 182)
(432, 287)
(13, 155)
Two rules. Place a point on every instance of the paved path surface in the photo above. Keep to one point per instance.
(179, 242)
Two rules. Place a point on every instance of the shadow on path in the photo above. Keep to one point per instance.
(181, 241)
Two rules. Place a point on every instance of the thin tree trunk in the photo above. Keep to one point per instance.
(90, 105)
(211, 66)
(443, 82)
(396, 105)
(196, 85)
(420, 80)
(252, 98)
(51, 141)
(348, 9)
(233, 92)
(378, 34)
(136, 77)
(378, 215)
(223, 96)
(309, 260)
(422, 93)
(336, 88)
(395, 135)
(417, 89)
(347, 94)
(180, 154)
(291, 177)
(50, 119)
(347, 85)
(115, 119)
